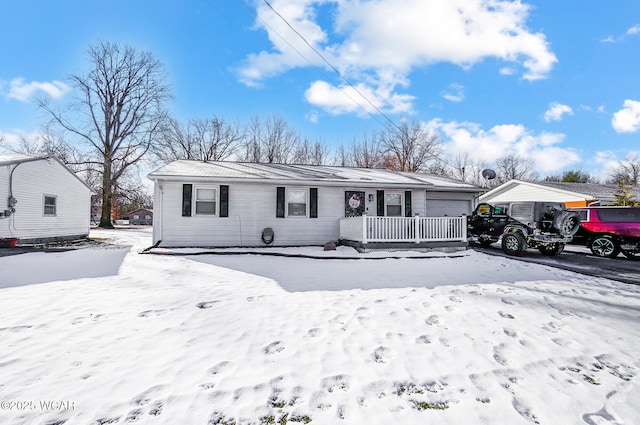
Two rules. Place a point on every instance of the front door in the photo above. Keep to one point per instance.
(354, 203)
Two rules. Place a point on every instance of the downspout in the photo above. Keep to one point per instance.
(11, 201)
(161, 211)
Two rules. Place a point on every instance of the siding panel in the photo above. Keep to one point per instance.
(31, 182)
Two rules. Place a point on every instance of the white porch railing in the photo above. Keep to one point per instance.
(403, 229)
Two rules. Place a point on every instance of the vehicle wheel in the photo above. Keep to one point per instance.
(632, 255)
(513, 243)
(604, 246)
(567, 223)
(551, 249)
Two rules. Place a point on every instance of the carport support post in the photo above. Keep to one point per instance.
(364, 228)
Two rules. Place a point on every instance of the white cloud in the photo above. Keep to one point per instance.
(627, 120)
(360, 99)
(634, 30)
(378, 43)
(488, 145)
(455, 93)
(556, 111)
(23, 91)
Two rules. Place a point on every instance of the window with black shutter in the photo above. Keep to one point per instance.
(407, 203)
(224, 201)
(280, 202)
(187, 190)
(380, 203)
(313, 202)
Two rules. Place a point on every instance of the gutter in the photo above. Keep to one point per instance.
(322, 183)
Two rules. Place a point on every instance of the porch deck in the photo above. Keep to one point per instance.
(415, 233)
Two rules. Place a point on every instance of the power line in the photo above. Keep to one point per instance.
(336, 70)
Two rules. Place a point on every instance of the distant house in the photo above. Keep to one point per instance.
(41, 200)
(141, 217)
(247, 204)
(572, 194)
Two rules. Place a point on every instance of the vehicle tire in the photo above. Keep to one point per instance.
(632, 255)
(551, 249)
(567, 223)
(605, 246)
(513, 243)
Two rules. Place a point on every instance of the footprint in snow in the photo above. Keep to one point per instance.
(510, 332)
(147, 396)
(220, 367)
(273, 348)
(206, 304)
(432, 320)
(149, 313)
(337, 382)
(498, 356)
(380, 354)
(106, 421)
(156, 408)
(134, 415)
(524, 410)
(423, 339)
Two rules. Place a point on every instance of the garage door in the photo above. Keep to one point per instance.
(447, 207)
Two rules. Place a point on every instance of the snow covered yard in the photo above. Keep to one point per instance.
(107, 335)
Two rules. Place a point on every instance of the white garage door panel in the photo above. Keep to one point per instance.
(449, 208)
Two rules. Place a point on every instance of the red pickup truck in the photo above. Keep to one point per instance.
(610, 230)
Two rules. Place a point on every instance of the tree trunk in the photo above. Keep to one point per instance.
(105, 216)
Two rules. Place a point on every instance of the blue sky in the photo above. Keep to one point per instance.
(554, 81)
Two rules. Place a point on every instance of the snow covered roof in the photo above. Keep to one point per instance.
(20, 158)
(517, 190)
(15, 158)
(318, 174)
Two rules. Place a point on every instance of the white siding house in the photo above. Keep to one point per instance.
(41, 200)
(216, 204)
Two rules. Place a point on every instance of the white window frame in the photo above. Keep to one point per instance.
(44, 205)
(386, 204)
(216, 201)
(288, 192)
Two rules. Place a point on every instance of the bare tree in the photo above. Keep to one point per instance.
(367, 152)
(270, 141)
(627, 171)
(117, 112)
(513, 167)
(310, 153)
(209, 139)
(413, 145)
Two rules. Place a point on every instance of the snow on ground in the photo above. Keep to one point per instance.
(106, 335)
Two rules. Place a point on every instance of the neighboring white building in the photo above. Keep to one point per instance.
(231, 204)
(572, 194)
(41, 200)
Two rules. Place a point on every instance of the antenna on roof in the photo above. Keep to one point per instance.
(489, 174)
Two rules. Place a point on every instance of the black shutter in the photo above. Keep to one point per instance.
(407, 203)
(224, 201)
(380, 200)
(313, 202)
(280, 202)
(186, 200)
